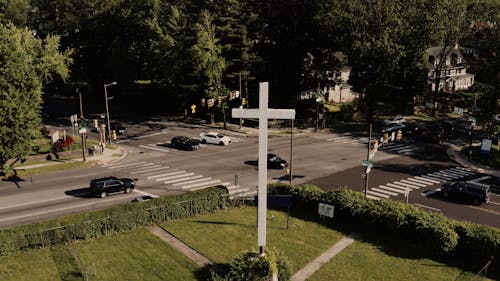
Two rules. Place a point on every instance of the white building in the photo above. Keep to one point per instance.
(451, 64)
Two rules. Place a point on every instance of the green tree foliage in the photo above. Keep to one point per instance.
(27, 63)
(14, 11)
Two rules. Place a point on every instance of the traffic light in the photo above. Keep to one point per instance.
(386, 137)
(193, 108)
(95, 122)
(399, 135)
(243, 101)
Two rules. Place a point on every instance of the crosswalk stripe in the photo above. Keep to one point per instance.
(372, 197)
(192, 181)
(175, 176)
(383, 191)
(155, 148)
(445, 175)
(391, 189)
(393, 147)
(420, 181)
(410, 149)
(150, 170)
(437, 175)
(462, 171)
(166, 174)
(183, 179)
(397, 186)
(338, 138)
(374, 193)
(434, 178)
(125, 165)
(407, 185)
(401, 149)
(144, 168)
(200, 185)
(412, 182)
(454, 173)
(426, 179)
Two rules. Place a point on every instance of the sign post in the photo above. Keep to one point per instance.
(264, 114)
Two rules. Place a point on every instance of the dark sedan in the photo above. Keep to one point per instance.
(275, 162)
(184, 143)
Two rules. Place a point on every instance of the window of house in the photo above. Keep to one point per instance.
(431, 59)
(454, 58)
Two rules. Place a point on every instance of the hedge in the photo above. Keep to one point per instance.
(434, 229)
(116, 219)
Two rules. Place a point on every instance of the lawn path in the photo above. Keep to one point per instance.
(316, 264)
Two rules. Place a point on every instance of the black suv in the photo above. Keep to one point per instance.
(103, 186)
(470, 192)
(184, 143)
(275, 162)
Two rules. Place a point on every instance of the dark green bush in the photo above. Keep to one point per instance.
(477, 241)
(253, 267)
(116, 219)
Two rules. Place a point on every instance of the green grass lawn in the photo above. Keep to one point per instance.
(138, 255)
(28, 266)
(366, 261)
(221, 236)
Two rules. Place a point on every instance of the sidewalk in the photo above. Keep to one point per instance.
(108, 156)
(453, 152)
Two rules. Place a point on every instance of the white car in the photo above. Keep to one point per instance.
(214, 138)
(398, 119)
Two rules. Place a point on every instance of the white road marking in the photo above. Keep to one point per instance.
(439, 176)
(150, 170)
(145, 168)
(458, 171)
(445, 175)
(397, 186)
(192, 181)
(391, 189)
(425, 183)
(183, 179)
(426, 179)
(374, 193)
(154, 148)
(449, 174)
(145, 193)
(427, 207)
(383, 191)
(412, 182)
(431, 179)
(166, 174)
(453, 172)
(175, 176)
(200, 185)
(406, 185)
(338, 138)
(372, 197)
(124, 165)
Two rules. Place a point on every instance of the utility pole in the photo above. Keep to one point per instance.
(81, 104)
(367, 170)
(241, 96)
(291, 153)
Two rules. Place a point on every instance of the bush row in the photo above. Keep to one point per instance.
(434, 229)
(116, 219)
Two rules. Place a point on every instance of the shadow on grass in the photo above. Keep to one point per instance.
(65, 263)
(397, 245)
(225, 223)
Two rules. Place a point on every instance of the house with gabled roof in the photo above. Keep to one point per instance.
(448, 64)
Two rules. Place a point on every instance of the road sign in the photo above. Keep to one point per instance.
(367, 163)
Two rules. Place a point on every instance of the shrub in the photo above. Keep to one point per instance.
(45, 132)
(252, 266)
(116, 219)
(477, 241)
(63, 145)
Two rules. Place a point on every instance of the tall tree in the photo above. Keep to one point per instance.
(14, 11)
(207, 60)
(27, 63)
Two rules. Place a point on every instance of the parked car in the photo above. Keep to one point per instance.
(392, 128)
(118, 128)
(398, 119)
(101, 187)
(141, 199)
(184, 143)
(214, 138)
(466, 191)
(275, 162)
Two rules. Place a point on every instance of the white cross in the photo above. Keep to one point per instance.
(263, 113)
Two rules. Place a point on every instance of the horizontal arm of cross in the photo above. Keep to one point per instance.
(272, 113)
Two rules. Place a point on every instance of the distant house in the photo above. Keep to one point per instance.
(451, 64)
(335, 87)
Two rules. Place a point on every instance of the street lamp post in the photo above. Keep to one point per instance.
(107, 108)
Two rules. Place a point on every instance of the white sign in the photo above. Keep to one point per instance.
(82, 130)
(55, 136)
(326, 210)
(458, 110)
(486, 145)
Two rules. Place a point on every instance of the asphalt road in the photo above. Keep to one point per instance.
(326, 159)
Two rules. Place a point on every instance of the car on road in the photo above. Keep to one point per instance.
(214, 138)
(102, 187)
(184, 143)
(398, 119)
(118, 128)
(466, 191)
(393, 128)
(141, 199)
(275, 162)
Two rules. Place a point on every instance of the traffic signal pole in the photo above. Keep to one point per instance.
(367, 169)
